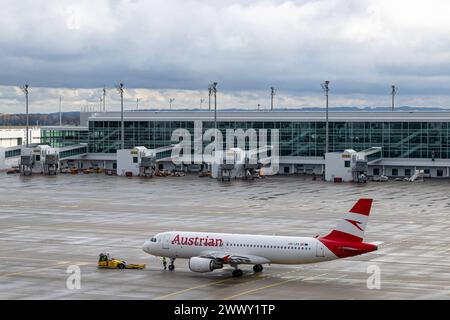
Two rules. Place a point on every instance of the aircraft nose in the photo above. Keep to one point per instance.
(146, 246)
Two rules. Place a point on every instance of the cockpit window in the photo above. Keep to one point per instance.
(153, 240)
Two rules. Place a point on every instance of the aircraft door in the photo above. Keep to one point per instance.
(320, 249)
(165, 242)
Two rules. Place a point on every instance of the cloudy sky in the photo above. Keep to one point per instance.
(164, 49)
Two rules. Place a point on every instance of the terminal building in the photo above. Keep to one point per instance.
(408, 141)
(404, 141)
(16, 136)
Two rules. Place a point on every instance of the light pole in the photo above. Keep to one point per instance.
(122, 132)
(394, 93)
(325, 87)
(171, 100)
(137, 103)
(25, 90)
(104, 99)
(214, 90)
(273, 91)
(60, 114)
(201, 102)
(209, 97)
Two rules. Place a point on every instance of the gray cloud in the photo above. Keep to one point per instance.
(362, 46)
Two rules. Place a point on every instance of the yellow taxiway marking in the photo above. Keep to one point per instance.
(189, 289)
(61, 263)
(31, 259)
(261, 288)
(34, 259)
(219, 282)
(276, 284)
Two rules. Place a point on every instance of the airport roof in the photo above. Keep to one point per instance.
(272, 116)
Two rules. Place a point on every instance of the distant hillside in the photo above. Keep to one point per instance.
(42, 119)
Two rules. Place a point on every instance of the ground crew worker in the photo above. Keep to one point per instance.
(164, 263)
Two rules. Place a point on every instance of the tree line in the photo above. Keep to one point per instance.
(40, 119)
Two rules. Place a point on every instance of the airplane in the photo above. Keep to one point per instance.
(211, 251)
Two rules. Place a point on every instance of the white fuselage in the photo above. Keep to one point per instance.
(264, 249)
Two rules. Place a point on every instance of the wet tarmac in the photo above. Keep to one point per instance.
(50, 223)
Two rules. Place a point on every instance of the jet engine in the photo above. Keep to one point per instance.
(199, 264)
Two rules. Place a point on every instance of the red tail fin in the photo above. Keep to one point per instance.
(351, 228)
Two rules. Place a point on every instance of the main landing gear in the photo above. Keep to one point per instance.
(258, 268)
(172, 265)
(237, 273)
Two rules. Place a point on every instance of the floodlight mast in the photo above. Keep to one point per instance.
(122, 132)
(171, 100)
(25, 90)
(60, 113)
(209, 97)
(104, 99)
(326, 89)
(273, 92)
(214, 90)
(394, 93)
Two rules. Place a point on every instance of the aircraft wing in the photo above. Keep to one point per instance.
(230, 258)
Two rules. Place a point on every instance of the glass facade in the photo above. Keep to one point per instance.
(12, 153)
(73, 152)
(424, 140)
(104, 136)
(58, 138)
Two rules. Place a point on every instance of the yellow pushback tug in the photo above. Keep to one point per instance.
(105, 262)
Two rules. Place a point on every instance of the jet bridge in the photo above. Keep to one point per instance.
(350, 165)
(72, 152)
(237, 163)
(10, 157)
(141, 161)
(39, 159)
(147, 166)
(46, 160)
(372, 155)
